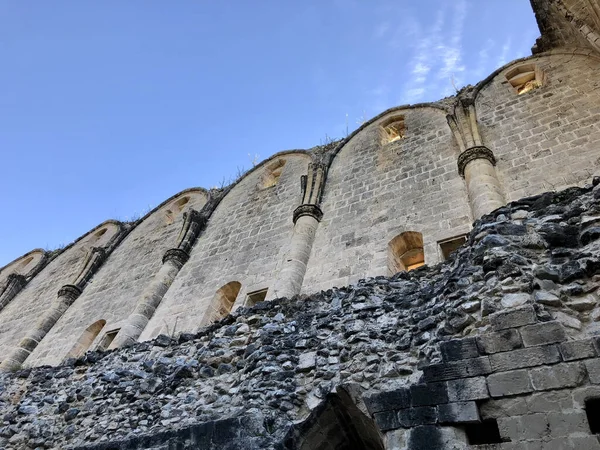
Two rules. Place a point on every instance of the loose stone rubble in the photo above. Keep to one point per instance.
(522, 294)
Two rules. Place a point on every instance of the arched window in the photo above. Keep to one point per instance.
(272, 173)
(175, 208)
(97, 235)
(525, 78)
(23, 264)
(405, 252)
(86, 339)
(394, 128)
(223, 300)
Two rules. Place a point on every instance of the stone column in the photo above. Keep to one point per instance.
(14, 283)
(476, 162)
(476, 166)
(291, 276)
(173, 260)
(66, 296)
(306, 220)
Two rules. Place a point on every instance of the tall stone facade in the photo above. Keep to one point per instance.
(218, 321)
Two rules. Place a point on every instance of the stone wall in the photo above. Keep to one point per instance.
(534, 136)
(380, 358)
(22, 313)
(361, 193)
(245, 242)
(376, 190)
(119, 283)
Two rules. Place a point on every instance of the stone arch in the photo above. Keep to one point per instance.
(101, 236)
(380, 119)
(534, 136)
(246, 237)
(223, 300)
(336, 424)
(128, 269)
(260, 171)
(501, 71)
(25, 265)
(86, 339)
(272, 173)
(405, 252)
(376, 186)
(176, 207)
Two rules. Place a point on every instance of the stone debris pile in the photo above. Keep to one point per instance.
(252, 379)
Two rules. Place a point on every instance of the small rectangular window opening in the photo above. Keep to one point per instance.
(252, 298)
(107, 339)
(485, 432)
(592, 410)
(449, 246)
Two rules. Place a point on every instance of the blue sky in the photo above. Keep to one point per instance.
(109, 107)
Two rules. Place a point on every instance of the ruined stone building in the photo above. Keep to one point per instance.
(429, 282)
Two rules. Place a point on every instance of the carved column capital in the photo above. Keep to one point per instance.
(17, 279)
(69, 292)
(308, 210)
(177, 255)
(473, 153)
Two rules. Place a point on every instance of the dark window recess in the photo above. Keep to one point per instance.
(107, 339)
(486, 432)
(592, 410)
(451, 245)
(252, 298)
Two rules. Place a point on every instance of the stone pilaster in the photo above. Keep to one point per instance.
(476, 162)
(173, 260)
(66, 296)
(306, 219)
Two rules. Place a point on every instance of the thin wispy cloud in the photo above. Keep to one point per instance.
(421, 63)
(484, 58)
(433, 55)
(503, 59)
(452, 53)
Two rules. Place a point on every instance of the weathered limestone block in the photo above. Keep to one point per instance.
(558, 376)
(509, 383)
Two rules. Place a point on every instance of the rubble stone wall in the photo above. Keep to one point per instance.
(505, 330)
